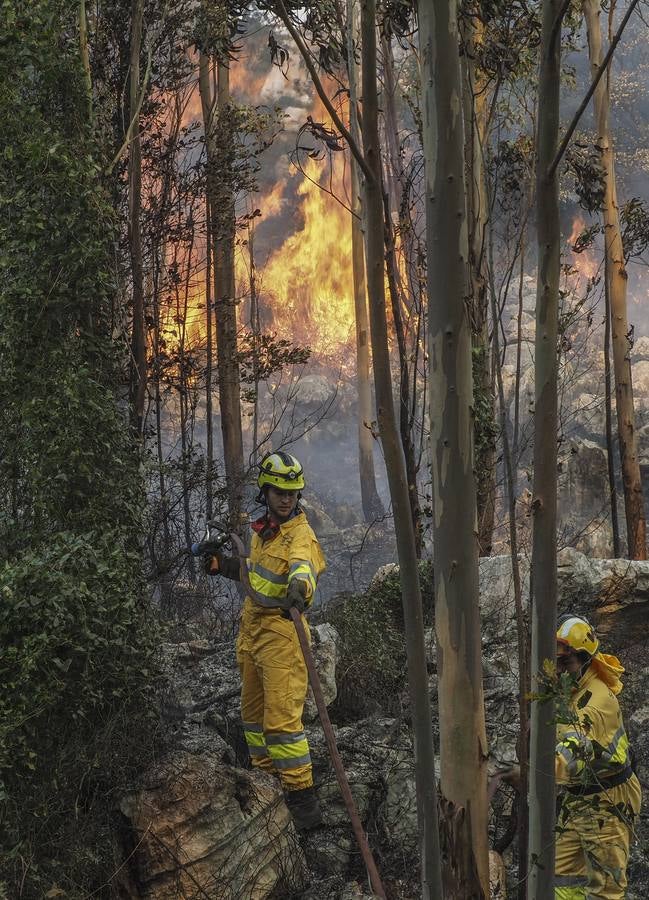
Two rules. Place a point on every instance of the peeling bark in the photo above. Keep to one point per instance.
(463, 742)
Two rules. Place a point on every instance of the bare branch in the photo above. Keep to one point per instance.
(317, 83)
(591, 90)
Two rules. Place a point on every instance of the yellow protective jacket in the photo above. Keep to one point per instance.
(594, 746)
(600, 795)
(294, 552)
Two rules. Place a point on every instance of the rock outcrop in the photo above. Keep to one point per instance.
(201, 827)
(203, 823)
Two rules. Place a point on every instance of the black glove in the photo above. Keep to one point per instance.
(295, 596)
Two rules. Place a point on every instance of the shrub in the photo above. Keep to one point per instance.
(371, 671)
(76, 671)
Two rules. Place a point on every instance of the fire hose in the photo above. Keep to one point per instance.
(359, 833)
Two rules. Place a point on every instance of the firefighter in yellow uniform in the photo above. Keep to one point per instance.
(282, 571)
(599, 792)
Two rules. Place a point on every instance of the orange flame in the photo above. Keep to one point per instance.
(308, 281)
(307, 284)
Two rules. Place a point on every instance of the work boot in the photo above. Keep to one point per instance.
(304, 807)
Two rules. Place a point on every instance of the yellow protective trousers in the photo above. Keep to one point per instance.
(592, 847)
(274, 683)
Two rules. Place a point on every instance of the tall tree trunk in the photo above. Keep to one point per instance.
(371, 502)
(476, 97)
(226, 322)
(617, 277)
(85, 55)
(405, 421)
(395, 181)
(222, 216)
(255, 330)
(138, 336)
(610, 456)
(162, 487)
(519, 343)
(509, 457)
(183, 397)
(544, 505)
(393, 452)
(463, 742)
(207, 111)
(209, 314)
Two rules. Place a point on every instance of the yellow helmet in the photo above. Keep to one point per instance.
(578, 634)
(281, 470)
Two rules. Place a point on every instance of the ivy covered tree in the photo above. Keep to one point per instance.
(77, 646)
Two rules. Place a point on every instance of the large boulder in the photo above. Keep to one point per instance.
(199, 827)
(595, 583)
(588, 415)
(640, 375)
(584, 520)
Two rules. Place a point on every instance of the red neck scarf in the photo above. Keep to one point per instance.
(266, 527)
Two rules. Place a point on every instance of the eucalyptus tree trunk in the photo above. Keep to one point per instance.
(255, 331)
(371, 502)
(226, 320)
(393, 452)
(209, 361)
(610, 458)
(463, 742)
(184, 406)
(222, 217)
(616, 276)
(544, 505)
(509, 458)
(159, 254)
(405, 418)
(476, 100)
(207, 110)
(138, 375)
(392, 199)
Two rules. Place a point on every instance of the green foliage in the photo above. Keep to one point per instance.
(70, 628)
(262, 355)
(584, 163)
(634, 218)
(371, 670)
(77, 646)
(76, 670)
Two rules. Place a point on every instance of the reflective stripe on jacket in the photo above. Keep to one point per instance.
(294, 552)
(595, 745)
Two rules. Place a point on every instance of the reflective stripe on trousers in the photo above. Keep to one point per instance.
(570, 887)
(273, 689)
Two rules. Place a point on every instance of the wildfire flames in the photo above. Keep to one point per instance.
(305, 286)
(308, 282)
